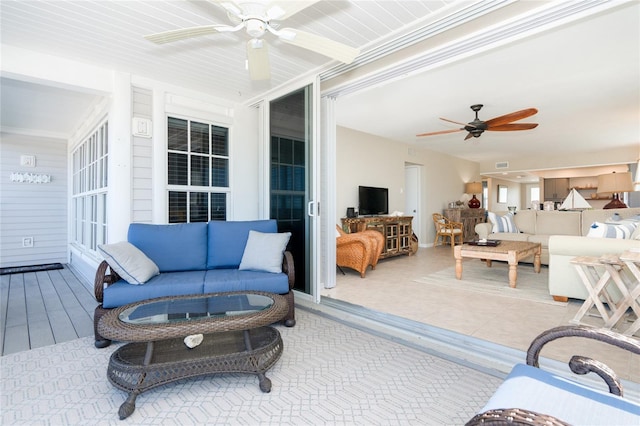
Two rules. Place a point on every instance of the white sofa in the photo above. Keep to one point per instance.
(563, 237)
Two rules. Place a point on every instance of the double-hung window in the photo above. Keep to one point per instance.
(89, 194)
(198, 171)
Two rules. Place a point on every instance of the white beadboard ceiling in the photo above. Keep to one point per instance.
(583, 75)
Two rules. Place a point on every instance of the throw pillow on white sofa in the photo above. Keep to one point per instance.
(503, 223)
(622, 230)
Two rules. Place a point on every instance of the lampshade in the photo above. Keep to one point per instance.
(614, 183)
(473, 187)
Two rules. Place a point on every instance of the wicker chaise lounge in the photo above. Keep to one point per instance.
(531, 396)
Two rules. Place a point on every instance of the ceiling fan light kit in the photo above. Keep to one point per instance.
(255, 17)
(477, 127)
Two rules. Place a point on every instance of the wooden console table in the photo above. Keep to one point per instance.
(396, 230)
(469, 219)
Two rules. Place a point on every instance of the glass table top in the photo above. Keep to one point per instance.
(193, 308)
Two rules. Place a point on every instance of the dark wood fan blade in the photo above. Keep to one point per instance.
(441, 132)
(469, 136)
(508, 118)
(513, 126)
(457, 122)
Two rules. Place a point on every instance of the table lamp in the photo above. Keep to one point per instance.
(615, 183)
(473, 188)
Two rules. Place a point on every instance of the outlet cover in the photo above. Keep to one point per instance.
(27, 241)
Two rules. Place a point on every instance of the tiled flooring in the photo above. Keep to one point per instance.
(506, 321)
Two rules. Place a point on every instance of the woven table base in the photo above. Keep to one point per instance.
(138, 367)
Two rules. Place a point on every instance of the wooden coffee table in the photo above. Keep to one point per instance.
(236, 338)
(510, 251)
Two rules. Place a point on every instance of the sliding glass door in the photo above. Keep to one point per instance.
(291, 174)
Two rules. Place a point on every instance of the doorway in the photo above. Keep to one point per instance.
(412, 199)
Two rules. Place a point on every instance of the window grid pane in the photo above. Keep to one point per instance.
(199, 204)
(89, 189)
(177, 207)
(218, 206)
(198, 162)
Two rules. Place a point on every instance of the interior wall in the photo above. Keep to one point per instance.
(364, 159)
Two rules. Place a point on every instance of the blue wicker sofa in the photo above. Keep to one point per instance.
(193, 258)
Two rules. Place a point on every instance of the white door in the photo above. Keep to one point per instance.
(412, 196)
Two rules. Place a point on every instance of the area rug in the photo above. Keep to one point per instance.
(478, 278)
(329, 374)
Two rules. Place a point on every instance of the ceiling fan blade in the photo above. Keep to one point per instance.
(231, 8)
(513, 126)
(258, 59)
(318, 44)
(441, 132)
(457, 122)
(469, 136)
(184, 33)
(281, 10)
(508, 118)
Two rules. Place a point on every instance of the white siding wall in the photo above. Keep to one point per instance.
(37, 210)
(142, 161)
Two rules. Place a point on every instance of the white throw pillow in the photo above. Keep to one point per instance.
(502, 223)
(264, 251)
(623, 230)
(129, 262)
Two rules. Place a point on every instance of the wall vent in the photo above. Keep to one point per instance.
(502, 165)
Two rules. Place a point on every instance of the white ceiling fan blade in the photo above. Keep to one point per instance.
(258, 59)
(322, 45)
(184, 33)
(231, 8)
(281, 10)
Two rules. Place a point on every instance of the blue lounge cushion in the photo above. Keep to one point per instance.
(227, 240)
(177, 247)
(165, 284)
(218, 280)
(537, 390)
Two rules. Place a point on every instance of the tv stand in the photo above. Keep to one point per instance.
(396, 230)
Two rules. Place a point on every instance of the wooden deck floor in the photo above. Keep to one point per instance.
(43, 308)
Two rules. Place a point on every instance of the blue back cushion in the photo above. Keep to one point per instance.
(178, 247)
(227, 240)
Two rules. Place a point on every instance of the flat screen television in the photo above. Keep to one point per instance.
(372, 200)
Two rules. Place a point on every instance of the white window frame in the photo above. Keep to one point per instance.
(189, 188)
(90, 182)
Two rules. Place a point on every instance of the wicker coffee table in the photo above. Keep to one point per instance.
(236, 338)
(509, 251)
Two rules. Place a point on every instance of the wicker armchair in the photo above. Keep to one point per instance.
(358, 250)
(446, 228)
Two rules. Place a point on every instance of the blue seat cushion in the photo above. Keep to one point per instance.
(218, 280)
(227, 240)
(165, 284)
(537, 390)
(177, 247)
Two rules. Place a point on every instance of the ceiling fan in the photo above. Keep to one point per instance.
(503, 123)
(256, 18)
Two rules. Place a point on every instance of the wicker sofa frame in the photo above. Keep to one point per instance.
(577, 364)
